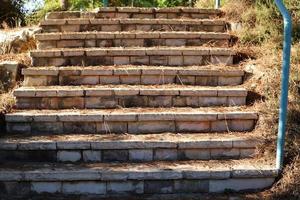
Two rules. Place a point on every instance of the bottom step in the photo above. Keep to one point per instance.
(134, 178)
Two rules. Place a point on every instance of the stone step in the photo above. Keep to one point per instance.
(106, 25)
(171, 56)
(132, 75)
(124, 96)
(131, 39)
(127, 148)
(137, 178)
(139, 13)
(133, 120)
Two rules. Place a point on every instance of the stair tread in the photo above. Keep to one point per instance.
(185, 113)
(134, 51)
(209, 70)
(108, 90)
(244, 168)
(128, 141)
(132, 21)
(136, 34)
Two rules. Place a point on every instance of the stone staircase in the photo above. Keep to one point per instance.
(133, 101)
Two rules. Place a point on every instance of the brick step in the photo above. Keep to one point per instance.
(137, 178)
(127, 148)
(82, 25)
(124, 96)
(139, 13)
(132, 75)
(131, 39)
(133, 121)
(171, 56)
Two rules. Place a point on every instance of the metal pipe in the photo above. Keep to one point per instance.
(218, 4)
(105, 3)
(284, 82)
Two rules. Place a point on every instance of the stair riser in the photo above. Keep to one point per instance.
(129, 187)
(138, 127)
(49, 44)
(158, 60)
(132, 27)
(155, 79)
(127, 101)
(137, 13)
(125, 155)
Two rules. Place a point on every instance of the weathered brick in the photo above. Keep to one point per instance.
(91, 156)
(191, 186)
(86, 187)
(68, 156)
(192, 126)
(194, 154)
(225, 153)
(158, 187)
(46, 187)
(165, 154)
(151, 127)
(112, 127)
(132, 187)
(140, 155)
(115, 155)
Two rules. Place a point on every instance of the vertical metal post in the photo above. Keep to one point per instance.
(284, 82)
(105, 3)
(218, 4)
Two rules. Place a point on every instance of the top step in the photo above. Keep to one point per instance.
(140, 13)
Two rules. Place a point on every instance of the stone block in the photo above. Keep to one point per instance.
(140, 155)
(132, 187)
(220, 126)
(68, 156)
(124, 60)
(225, 153)
(186, 80)
(46, 127)
(247, 153)
(241, 125)
(207, 80)
(236, 101)
(175, 60)
(160, 101)
(79, 127)
(111, 28)
(133, 101)
(192, 126)
(230, 80)
(131, 80)
(151, 127)
(158, 187)
(115, 155)
(212, 101)
(157, 79)
(112, 127)
(101, 102)
(91, 156)
(218, 186)
(176, 42)
(158, 60)
(165, 154)
(218, 60)
(191, 186)
(86, 187)
(109, 80)
(139, 60)
(194, 154)
(20, 128)
(192, 60)
(71, 103)
(46, 187)
(70, 28)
